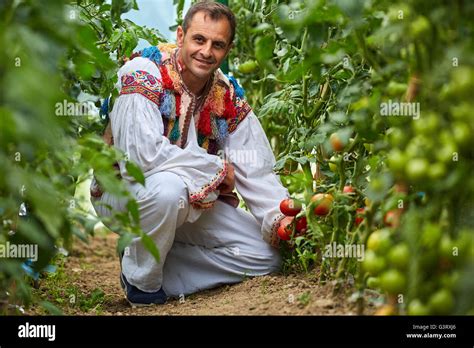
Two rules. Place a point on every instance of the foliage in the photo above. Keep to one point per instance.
(325, 70)
(58, 55)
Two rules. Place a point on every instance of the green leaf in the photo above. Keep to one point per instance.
(122, 6)
(135, 171)
(133, 209)
(124, 241)
(150, 246)
(264, 46)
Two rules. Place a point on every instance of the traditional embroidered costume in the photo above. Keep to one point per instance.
(178, 140)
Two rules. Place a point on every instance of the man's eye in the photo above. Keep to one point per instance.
(199, 39)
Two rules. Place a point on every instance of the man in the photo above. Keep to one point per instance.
(176, 116)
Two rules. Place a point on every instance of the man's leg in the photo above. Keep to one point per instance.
(163, 206)
(222, 247)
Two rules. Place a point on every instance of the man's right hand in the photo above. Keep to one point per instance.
(228, 183)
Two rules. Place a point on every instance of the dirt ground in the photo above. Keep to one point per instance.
(95, 266)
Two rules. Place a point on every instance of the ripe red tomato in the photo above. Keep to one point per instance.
(290, 207)
(301, 225)
(324, 203)
(348, 189)
(285, 231)
(336, 142)
(359, 216)
(392, 217)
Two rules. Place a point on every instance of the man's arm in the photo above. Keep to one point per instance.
(255, 180)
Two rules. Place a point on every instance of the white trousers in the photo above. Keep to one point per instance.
(198, 251)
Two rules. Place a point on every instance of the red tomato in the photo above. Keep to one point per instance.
(285, 230)
(324, 203)
(290, 207)
(301, 225)
(348, 189)
(359, 216)
(336, 142)
(392, 217)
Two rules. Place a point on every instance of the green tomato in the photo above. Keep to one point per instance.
(393, 281)
(461, 133)
(417, 169)
(396, 161)
(462, 83)
(379, 241)
(446, 153)
(373, 282)
(333, 166)
(416, 307)
(461, 111)
(399, 256)
(437, 171)
(248, 67)
(441, 302)
(430, 235)
(396, 137)
(420, 27)
(427, 125)
(372, 263)
(450, 280)
(446, 247)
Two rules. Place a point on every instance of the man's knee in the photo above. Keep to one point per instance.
(167, 190)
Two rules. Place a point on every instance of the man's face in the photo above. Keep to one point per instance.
(205, 44)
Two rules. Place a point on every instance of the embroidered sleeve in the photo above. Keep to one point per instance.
(274, 240)
(143, 83)
(204, 191)
(242, 108)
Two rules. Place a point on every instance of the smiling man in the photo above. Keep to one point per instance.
(189, 128)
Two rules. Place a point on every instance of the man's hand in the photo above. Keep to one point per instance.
(228, 183)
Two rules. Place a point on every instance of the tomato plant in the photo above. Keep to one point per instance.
(328, 73)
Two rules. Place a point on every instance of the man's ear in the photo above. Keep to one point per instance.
(179, 36)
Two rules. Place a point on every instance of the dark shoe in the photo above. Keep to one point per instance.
(138, 298)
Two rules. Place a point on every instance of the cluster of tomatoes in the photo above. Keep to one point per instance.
(291, 208)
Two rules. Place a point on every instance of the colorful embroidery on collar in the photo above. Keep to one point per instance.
(223, 108)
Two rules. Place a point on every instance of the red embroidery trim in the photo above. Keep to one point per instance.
(205, 121)
(212, 186)
(167, 82)
(230, 111)
(178, 104)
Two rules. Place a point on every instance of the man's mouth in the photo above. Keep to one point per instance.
(203, 61)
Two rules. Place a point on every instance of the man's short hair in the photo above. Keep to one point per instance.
(215, 10)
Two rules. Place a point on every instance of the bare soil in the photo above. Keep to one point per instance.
(95, 266)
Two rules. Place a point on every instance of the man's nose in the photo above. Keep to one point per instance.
(206, 50)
